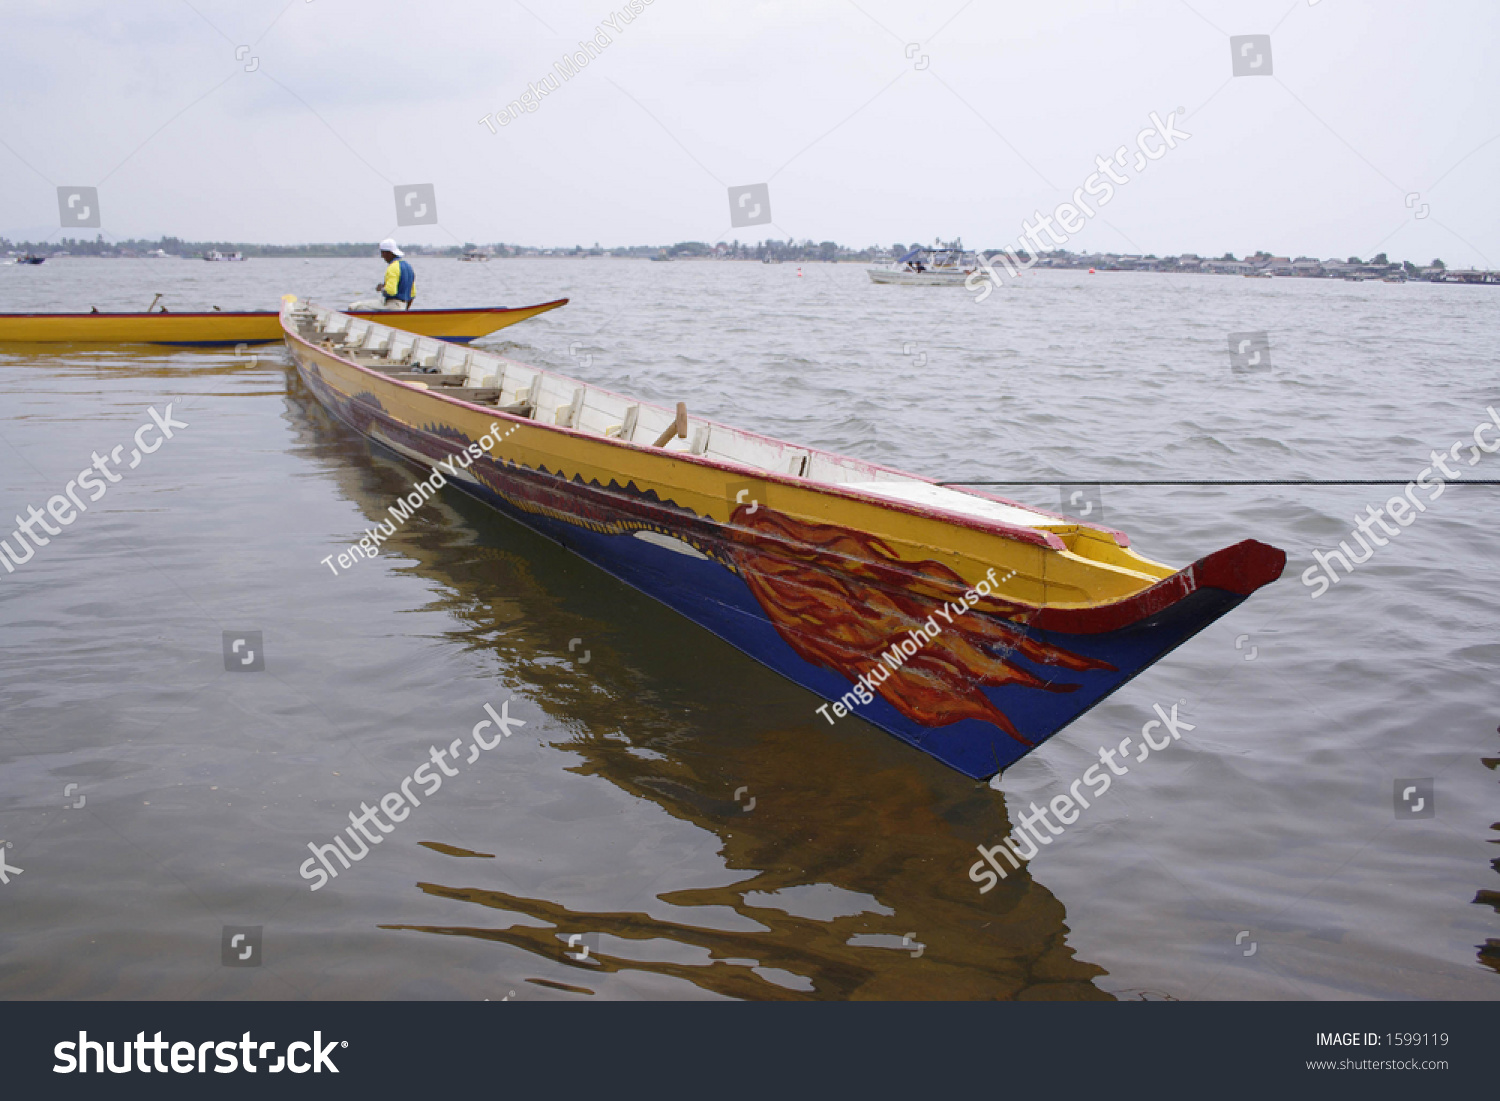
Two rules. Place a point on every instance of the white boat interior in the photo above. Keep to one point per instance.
(487, 379)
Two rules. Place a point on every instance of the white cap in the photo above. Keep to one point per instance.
(389, 245)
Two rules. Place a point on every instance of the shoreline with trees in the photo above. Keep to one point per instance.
(807, 251)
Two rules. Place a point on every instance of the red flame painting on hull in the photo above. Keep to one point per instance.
(841, 598)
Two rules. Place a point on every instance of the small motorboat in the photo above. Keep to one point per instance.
(215, 256)
(474, 256)
(971, 627)
(30, 259)
(225, 329)
(927, 267)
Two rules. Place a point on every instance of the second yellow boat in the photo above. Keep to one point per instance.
(222, 329)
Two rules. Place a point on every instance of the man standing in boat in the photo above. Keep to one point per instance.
(399, 285)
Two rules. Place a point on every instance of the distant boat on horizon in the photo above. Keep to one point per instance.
(214, 255)
(927, 267)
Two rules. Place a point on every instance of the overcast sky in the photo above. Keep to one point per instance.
(1376, 129)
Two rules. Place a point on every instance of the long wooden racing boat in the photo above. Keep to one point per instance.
(969, 626)
(222, 329)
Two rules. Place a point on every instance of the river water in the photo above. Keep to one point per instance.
(671, 806)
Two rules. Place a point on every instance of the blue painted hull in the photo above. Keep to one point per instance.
(718, 599)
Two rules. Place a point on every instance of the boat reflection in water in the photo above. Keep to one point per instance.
(675, 718)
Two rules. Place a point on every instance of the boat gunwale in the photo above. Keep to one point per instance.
(1034, 536)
